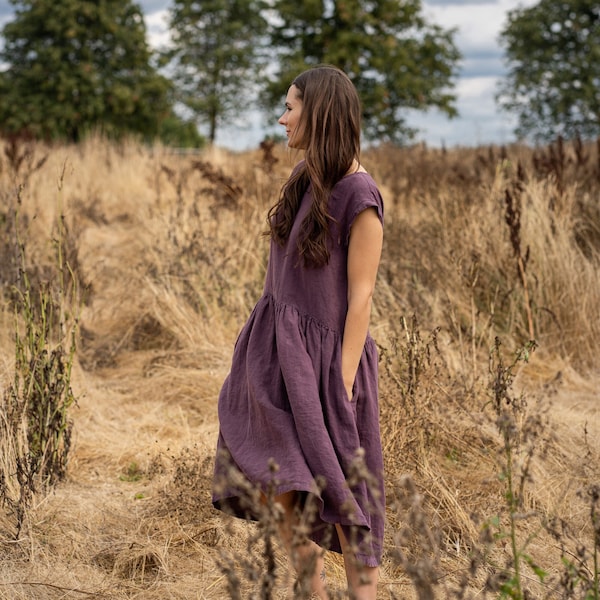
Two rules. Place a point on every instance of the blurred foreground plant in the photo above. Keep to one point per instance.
(580, 577)
(522, 436)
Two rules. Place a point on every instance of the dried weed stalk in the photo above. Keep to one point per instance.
(512, 216)
(35, 428)
(524, 435)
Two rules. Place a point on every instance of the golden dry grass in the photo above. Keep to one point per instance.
(169, 257)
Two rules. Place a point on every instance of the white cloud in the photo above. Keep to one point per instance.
(151, 6)
(478, 25)
(480, 122)
(157, 27)
(482, 64)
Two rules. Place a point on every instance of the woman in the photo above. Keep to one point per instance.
(302, 391)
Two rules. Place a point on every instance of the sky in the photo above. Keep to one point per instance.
(480, 122)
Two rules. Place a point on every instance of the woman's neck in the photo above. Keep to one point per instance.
(355, 167)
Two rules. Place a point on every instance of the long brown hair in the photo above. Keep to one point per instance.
(329, 127)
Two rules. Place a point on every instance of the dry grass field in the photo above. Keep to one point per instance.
(154, 260)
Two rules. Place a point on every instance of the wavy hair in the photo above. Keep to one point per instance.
(329, 129)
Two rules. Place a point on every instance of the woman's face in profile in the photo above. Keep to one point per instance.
(291, 117)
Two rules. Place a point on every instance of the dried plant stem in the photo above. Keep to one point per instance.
(523, 278)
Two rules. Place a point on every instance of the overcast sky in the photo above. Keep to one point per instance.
(478, 23)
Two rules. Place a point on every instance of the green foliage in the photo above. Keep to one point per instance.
(79, 65)
(394, 57)
(133, 473)
(553, 52)
(175, 131)
(215, 56)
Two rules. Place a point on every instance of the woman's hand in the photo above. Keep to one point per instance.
(349, 390)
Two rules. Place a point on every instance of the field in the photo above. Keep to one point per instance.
(133, 269)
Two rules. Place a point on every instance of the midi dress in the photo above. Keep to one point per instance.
(284, 401)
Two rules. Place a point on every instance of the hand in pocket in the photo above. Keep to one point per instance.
(349, 392)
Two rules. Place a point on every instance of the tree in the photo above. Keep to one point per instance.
(394, 57)
(175, 131)
(215, 56)
(553, 56)
(77, 65)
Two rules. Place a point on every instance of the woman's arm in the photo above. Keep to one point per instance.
(364, 253)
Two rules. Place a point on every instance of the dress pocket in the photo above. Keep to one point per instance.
(354, 397)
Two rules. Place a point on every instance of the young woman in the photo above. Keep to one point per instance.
(302, 391)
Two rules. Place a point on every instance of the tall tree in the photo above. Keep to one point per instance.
(76, 65)
(215, 57)
(395, 58)
(553, 80)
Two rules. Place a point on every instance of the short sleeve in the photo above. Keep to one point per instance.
(361, 193)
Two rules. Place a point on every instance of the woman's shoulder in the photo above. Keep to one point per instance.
(353, 194)
(359, 180)
(358, 185)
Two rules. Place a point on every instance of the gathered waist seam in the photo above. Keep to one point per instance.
(279, 305)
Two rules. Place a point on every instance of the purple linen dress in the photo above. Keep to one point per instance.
(284, 400)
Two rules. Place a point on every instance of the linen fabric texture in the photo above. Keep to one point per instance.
(284, 401)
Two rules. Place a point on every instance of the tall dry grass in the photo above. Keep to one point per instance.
(491, 459)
